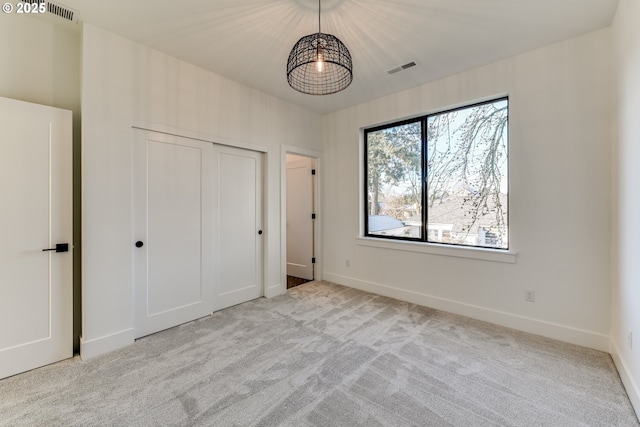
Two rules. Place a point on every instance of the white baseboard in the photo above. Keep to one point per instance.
(98, 346)
(556, 331)
(275, 290)
(625, 375)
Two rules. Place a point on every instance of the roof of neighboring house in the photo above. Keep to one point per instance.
(453, 210)
(383, 222)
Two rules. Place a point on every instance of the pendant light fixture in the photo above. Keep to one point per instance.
(319, 64)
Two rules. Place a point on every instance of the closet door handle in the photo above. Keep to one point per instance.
(139, 244)
(260, 232)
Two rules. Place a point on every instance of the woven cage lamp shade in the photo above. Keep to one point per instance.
(319, 64)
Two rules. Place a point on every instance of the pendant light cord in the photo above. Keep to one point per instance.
(319, 17)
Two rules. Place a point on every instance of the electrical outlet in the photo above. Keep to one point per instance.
(630, 339)
(530, 295)
(347, 263)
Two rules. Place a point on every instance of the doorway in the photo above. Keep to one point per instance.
(300, 219)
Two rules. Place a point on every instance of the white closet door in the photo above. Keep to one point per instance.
(238, 226)
(172, 245)
(36, 313)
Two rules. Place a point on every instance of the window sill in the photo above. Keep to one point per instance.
(444, 250)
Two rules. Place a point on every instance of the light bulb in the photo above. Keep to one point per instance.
(320, 61)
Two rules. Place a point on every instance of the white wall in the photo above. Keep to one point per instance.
(560, 136)
(41, 64)
(625, 307)
(123, 84)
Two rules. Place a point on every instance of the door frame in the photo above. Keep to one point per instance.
(317, 241)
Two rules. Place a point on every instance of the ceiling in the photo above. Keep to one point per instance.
(249, 40)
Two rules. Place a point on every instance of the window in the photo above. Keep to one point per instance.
(441, 178)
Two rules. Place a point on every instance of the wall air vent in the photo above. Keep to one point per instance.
(57, 9)
(401, 67)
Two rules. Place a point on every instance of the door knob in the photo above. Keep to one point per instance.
(60, 247)
(259, 231)
(139, 244)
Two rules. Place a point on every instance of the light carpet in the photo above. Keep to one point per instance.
(327, 355)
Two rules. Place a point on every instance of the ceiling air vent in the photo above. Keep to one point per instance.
(57, 9)
(401, 67)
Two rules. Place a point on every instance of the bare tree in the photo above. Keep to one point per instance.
(468, 153)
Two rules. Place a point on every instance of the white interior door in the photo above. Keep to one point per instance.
(299, 219)
(238, 226)
(172, 245)
(36, 286)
